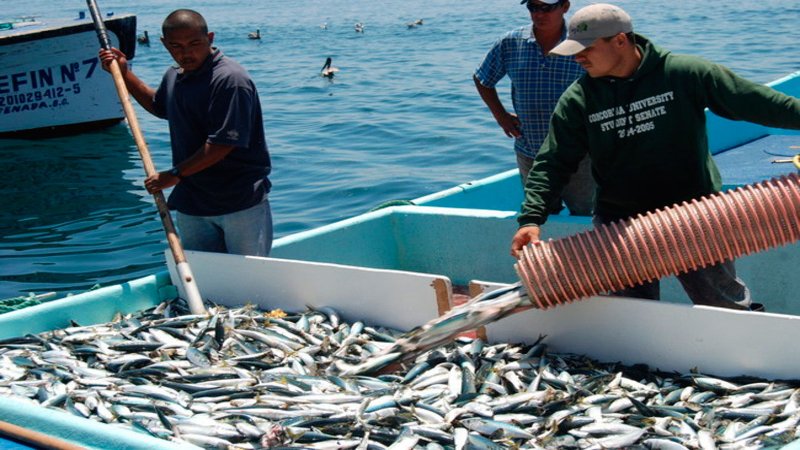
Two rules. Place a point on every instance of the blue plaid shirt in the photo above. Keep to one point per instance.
(537, 82)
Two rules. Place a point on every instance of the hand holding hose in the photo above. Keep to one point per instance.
(524, 236)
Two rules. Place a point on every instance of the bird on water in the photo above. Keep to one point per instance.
(327, 70)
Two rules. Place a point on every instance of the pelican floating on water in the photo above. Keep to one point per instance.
(328, 70)
(359, 27)
(144, 38)
(414, 23)
(256, 35)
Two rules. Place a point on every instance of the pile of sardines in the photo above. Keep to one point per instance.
(246, 379)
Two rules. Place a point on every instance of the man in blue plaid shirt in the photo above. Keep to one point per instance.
(537, 81)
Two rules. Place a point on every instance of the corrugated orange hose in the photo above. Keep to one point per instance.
(665, 242)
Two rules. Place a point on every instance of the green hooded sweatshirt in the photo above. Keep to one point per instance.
(646, 135)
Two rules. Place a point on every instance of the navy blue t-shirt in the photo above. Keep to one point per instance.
(218, 104)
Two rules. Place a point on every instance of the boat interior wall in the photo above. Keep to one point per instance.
(389, 298)
(96, 306)
(665, 336)
(86, 433)
(461, 244)
(464, 244)
(364, 240)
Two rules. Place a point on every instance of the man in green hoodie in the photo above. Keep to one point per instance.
(639, 115)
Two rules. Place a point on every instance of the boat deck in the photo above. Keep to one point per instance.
(753, 161)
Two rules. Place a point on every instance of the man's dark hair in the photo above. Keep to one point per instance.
(181, 19)
(631, 36)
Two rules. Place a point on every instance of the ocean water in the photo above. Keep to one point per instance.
(400, 120)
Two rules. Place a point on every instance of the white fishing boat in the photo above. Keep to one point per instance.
(51, 82)
(402, 266)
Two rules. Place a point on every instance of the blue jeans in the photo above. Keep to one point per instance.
(715, 285)
(245, 232)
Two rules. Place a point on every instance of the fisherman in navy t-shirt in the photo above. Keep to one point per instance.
(219, 154)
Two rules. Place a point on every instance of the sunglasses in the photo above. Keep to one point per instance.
(545, 8)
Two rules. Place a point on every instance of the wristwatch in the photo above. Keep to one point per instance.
(175, 173)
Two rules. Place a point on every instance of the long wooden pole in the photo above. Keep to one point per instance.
(27, 436)
(184, 270)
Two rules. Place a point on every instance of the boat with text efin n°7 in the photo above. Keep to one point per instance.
(51, 82)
